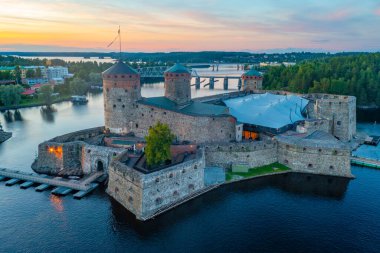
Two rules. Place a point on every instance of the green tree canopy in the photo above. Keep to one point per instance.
(356, 75)
(45, 92)
(78, 86)
(10, 94)
(158, 141)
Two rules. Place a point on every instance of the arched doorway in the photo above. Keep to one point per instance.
(99, 166)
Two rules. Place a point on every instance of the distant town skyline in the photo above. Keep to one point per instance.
(167, 25)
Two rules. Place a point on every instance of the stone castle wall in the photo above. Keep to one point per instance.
(120, 93)
(341, 110)
(185, 127)
(92, 154)
(255, 154)
(144, 194)
(315, 160)
(59, 158)
(177, 87)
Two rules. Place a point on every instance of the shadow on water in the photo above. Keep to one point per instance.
(47, 113)
(294, 183)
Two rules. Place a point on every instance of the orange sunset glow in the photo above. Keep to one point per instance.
(197, 25)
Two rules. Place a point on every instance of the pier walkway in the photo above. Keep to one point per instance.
(365, 162)
(79, 185)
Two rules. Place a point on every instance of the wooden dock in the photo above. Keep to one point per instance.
(365, 162)
(43, 182)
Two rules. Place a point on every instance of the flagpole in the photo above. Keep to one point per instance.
(119, 43)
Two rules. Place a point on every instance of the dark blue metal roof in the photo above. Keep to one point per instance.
(120, 68)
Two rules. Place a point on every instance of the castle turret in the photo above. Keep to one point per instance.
(121, 89)
(252, 80)
(177, 84)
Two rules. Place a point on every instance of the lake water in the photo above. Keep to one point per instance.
(294, 213)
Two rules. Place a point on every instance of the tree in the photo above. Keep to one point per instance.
(95, 78)
(10, 94)
(158, 142)
(46, 94)
(18, 74)
(78, 86)
(30, 73)
(38, 73)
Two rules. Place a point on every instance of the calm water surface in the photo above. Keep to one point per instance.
(294, 213)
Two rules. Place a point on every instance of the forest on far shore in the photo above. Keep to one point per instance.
(356, 75)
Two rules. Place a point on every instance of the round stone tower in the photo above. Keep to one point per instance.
(252, 80)
(177, 84)
(121, 89)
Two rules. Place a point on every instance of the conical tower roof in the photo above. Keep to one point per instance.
(178, 69)
(120, 68)
(253, 72)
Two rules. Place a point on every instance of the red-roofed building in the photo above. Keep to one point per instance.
(28, 92)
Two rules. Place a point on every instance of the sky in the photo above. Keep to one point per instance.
(195, 25)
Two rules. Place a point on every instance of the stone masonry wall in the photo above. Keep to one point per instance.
(144, 194)
(255, 154)
(120, 93)
(185, 127)
(314, 160)
(91, 154)
(341, 110)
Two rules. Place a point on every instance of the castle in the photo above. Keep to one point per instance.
(308, 133)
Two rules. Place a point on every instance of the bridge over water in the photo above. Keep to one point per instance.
(158, 72)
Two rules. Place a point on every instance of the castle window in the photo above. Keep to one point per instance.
(88, 151)
(183, 171)
(109, 76)
(158, 201)
(137, 125)
(115, 76)
(319, 150)
(119, 99)
(157, 180)
(114, 84)
(123, 106)
(125, 90)
(176, 75)
(122, 76)
(130, 76)
(287, 146)
(195, 167)
(286, 161)
(171, 175)
(331, 167)
(191, 186)
(175, 193)
(130, 199)
(304, 149)
(339, 123)
(116, 189)
(310, 165)
(142, 114)
(164, 113)
(114, 106)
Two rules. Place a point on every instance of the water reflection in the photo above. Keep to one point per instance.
(18, 116)
(47, 113)
(57, 203)
(8, 116)
(295, 183)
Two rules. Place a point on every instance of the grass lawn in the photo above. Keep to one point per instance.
(253, 172)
